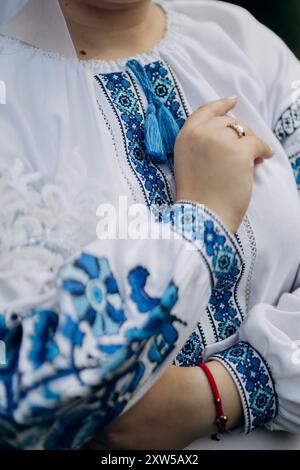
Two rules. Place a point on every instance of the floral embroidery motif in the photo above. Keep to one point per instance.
(85, 362)
(254, 381)
(288, 122)
(225, 263)
(121, 91)
(95, 294)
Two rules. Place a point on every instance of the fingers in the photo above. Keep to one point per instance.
(213, 109)
(257, 147)
(225, 122)
(216, 113)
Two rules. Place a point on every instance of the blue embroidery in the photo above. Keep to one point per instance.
(295, 163)
(219, 249)
(161, 129)
(287, 125)
(95, 295)
(123, 96)
(91, 356)
(255, 383)
(191, 353)
(163, 85)
(288, 122)
(93, 321)
(224, 262)
(46, 349)
(223, 308)
(137, 279)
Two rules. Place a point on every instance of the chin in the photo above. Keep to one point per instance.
(113, 3)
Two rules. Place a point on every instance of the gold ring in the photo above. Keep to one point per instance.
(238, 129)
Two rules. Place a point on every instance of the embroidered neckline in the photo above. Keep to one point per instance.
(123, 97)
(166, 43)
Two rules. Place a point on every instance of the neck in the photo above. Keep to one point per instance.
(113, 30)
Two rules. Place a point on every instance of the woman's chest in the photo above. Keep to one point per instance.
(271, 229)
(270, 232)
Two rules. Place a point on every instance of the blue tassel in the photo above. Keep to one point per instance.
(169, 128)
(153, 138)
(161, 129)
(141, 75)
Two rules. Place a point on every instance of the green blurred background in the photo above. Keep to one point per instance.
(283, 16)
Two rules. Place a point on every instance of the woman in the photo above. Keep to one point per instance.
(91, 324)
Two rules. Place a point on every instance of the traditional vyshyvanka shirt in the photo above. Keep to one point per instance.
(89, 323)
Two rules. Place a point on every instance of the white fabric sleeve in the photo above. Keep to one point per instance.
(276, 68)
(277, 74)
(83, 341)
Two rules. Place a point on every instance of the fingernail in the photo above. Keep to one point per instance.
(233, 97)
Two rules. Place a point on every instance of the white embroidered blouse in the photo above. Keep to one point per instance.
(87, 323)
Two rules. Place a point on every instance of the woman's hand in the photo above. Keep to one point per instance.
(178, 409)
(213, 166)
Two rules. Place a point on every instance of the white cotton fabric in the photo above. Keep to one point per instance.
(52, 130)
(9, 9)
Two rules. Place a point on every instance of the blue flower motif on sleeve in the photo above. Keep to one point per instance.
(85, 360)
(46, 349)
(255, 383)
(95, 294)
(224, 259)
(160, 326)
(137, 279)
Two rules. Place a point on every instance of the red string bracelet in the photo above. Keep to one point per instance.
(221, 417)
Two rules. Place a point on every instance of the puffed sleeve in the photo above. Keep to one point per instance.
(82, 341)
(275, 67)
(280, 75)
(264, 358)
(276, 71)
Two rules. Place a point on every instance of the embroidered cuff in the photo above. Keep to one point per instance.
(287, 131)
(295, 164)
(288, 122)
(208, 235)
(254, 381)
